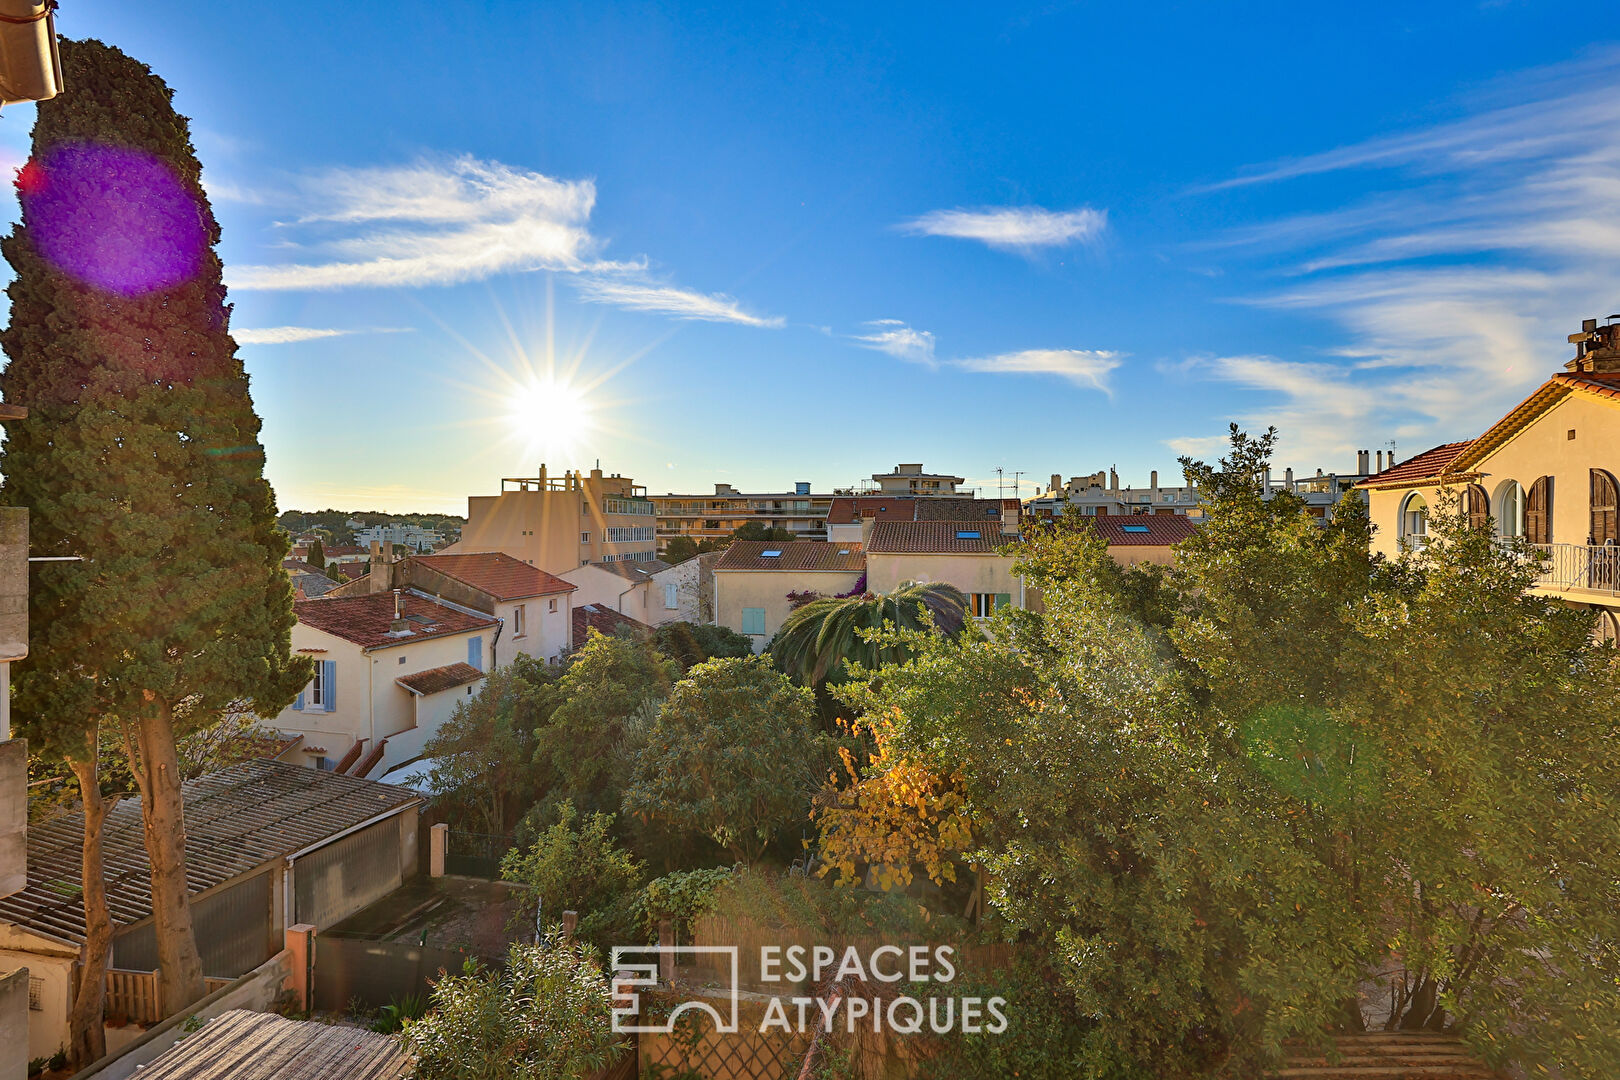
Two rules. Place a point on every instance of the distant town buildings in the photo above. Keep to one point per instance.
(412, 536)
(556, 524)
(717, 516)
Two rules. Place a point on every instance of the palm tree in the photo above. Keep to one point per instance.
(820, 637)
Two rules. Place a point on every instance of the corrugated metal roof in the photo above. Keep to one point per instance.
(240, 1045)
(237, 820)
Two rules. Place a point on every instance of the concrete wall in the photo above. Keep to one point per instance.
(970, 573)
(735, 590)
(547, 622)
(47, 1025)
(14, 1025)
(599, 586)
(1131, 554)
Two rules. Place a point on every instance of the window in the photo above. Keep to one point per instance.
(1415, 520)
(36, 993)
(630, 534)
(1134, 528)
(317, 687)
(324, 764)
(985, 604)
(517, 620)
(967, 534)
(402, 659)
(770, 554)
(475, 652)
(1510, 509)
(672, 598)
(584, 537)
(753, 620)
(552, 606)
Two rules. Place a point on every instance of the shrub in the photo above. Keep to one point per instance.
(577, 865)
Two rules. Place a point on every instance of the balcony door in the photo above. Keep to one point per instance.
(1603, 530)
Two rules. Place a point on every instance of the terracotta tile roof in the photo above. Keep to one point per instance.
(802, 555)
(242, 1045)
(496, 573)
(298, 566)
(1161, 530)
(365, 620)
(1603, 384)
(936, 537)
(237, 820)
(1425, 466)
(437, 679)
(946, 509)
(848, 510)
(347, 571)
(604, 620)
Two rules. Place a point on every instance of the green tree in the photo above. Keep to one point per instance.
(585, 750)
(575, 864)
(758, 530)
(734, 754)
(483, 755)
(677, 549)
(546, 1015)
(317, 555)
(141, 455)
(817, 641)
(1326, 766)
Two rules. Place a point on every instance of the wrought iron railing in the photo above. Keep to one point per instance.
(1579, 566)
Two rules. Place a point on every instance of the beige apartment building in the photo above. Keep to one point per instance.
(715, 517)
(1545, 472)
(752, 581)
(911, 480)
(558, 524)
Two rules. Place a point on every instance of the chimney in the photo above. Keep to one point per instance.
(381, 576)
(866, 529)
(1265, 481)
(1009, 522)
(1056, 484)
(1597, 348)
(1361, 462)
(1380, 467)
(1113, 481)
(1153, 482)
(1288, 478)
(400, 621)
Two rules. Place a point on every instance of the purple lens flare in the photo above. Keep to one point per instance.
(113, 218)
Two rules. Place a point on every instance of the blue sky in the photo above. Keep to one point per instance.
(770, 244)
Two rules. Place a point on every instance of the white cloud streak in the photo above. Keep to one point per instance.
(446, 222)
(283, 335)
(900, 341)
(1012, 228)
(1474, 247)
(641, 295)
(1087, 368)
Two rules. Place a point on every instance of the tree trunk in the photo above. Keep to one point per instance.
(157, 773)
(87, 1036)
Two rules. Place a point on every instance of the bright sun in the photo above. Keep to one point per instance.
(550, 416)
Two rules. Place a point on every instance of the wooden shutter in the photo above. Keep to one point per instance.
(1604, 504)
(1538, 512)
(1477, 505)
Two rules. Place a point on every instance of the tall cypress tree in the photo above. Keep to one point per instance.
(141, 455)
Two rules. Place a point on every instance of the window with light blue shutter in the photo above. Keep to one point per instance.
(753, 620)
(299, 704)
(330, 686)
(475, 652)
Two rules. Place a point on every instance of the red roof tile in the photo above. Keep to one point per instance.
(851, 509)
(365, 620)
(1425, 466)
(496, 573)
(437, 679)
(604, 620)
(801, 555)
(1162, 530)
(1606, 385)
(936, 537)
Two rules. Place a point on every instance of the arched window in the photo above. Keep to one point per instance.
(1605, 507)
(1476, 506)
(1510, 509)
(1415, 520)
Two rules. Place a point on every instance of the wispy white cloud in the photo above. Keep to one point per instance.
(900, 341)
(287, 335)
(1473, 248)
(1012, 228)
(1088, 368)
(641, 295)
(442, 222)
(283, 335)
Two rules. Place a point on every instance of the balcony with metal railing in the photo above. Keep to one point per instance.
(1571, 570)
